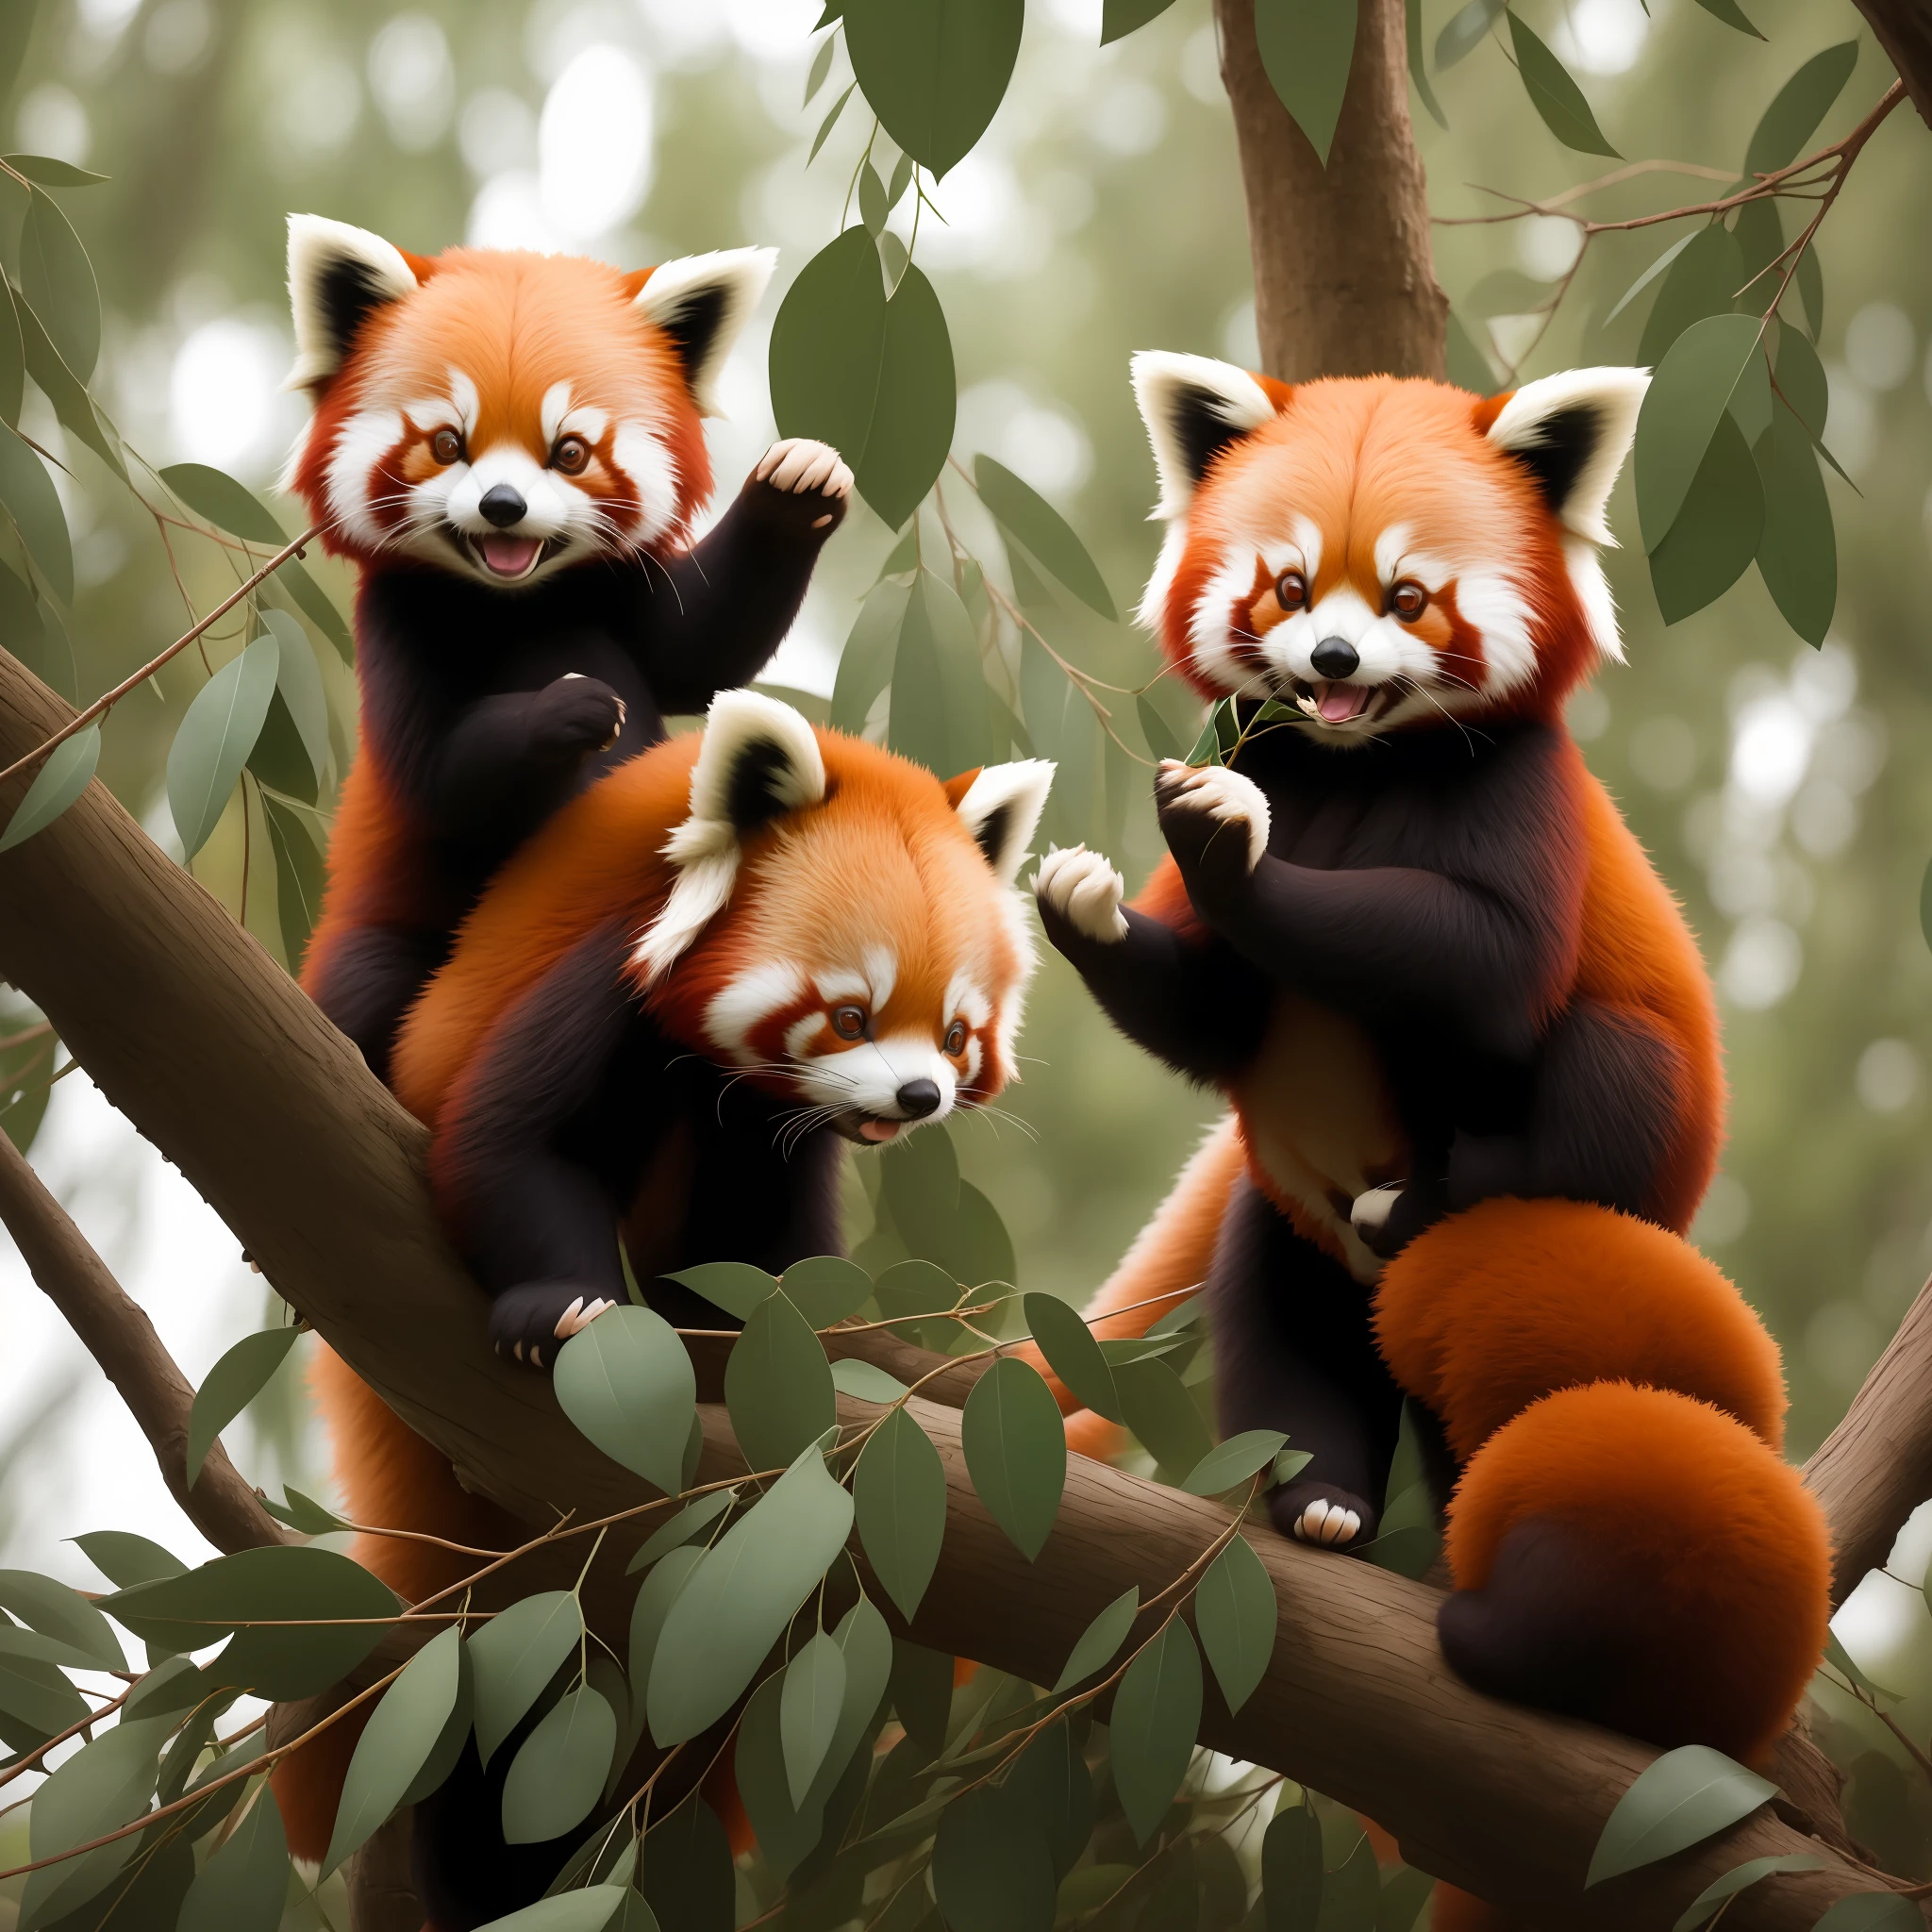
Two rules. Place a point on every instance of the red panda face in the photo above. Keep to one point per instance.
(1376, 553)
(503, 414)
(866, 958)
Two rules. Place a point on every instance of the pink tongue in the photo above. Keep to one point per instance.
(510, 557)
(1338, 703)
(878, 1130)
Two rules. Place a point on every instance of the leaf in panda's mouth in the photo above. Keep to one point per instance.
(1334, 702)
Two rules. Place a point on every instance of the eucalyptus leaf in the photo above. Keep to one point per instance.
(1028, 515)
(1161, 1413)
(1016, 1451)
(1306, 48)
(1553, 94)
(736, 1286)
(1734, 1881)
(12, 358)
(900, 1492)
(103, 1786)
(230, 1386)
(62, 777)
(934, 71)
(1291, 1875)
(58, 280)
(1681, 1799)
(592, 1909)
(513, 1657)
(661, 1589)
(865, 665)
(68, 393)
(1797, 554)
(820, 66)
(1465, 32)
(59, 1611)
(125, 1559)
(1053, 1787)
(1236, 1615)
(1651, 273)
(38, 1697)
(826, 1288)
(557, 1773)
(1098, 1644)
(1234, 1461)
(1718, 531)
(1685, 402)
(866, 1381)
(1156, 1713)
(814, 1688)
(27, 492)
(227, 504)
(1072, 1353)
(299, 878)
(688, 1522)
(626, 1381)
(992, 1868)
(1731, 14)
(778, 1386)
(51, 173)
(1797, 108)
(213, 741)
(1701, 281)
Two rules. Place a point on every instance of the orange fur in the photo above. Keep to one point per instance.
(1491, 1309)
(1732, 1548)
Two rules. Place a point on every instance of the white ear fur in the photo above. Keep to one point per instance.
(759, 758)
(1572, 432)
(702, 302)
(328, 261)
(1002, 808)
(1192, 406)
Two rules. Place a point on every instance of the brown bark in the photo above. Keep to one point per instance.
(1344, 281)
(1876, 1468)
(1903, 29)
(121, 1340)
(219, 1060)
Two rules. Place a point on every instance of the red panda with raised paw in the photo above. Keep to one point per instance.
(1407, 934)
(665, 1021)
(511, 448)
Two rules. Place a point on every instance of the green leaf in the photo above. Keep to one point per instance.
(1072, 1353)
(1835, 1654)
(1750, 404)
(1307, 46)
(62, 777)
(1651, 273)
(513, 1657)
(1161, 1413)
(12, 358)
(215, 737)
(1098, 1644)
(626, 1382)
(1053, 1787)
(742, 1596)
(51, 173)
(591, 1910)
(291, 580)
(1157, 1711)
(105, 1785)
(125, 1559)
(1465, 33)
(1716, 532)
(736, 1286)
(922, 1693)
(1408, 1551)
(1685, 1797)
(1026, 515)
(991, 1870)
(1119, 18)
(820, 66)
(1797, 109)
(1553, 94)
(59, 280)
(826, 1288)
(1735, 1881)
(1810, 281)
(557, 1773)
(230, 1386)
(918, 1186)
(1016, 1451)
(830, 122)
(900, 1491)
(660, 1591)
(298, 682)
(1731, 14)
(16, 29)
(61, 1613)
(27, 492)
(808, 1710)
(681, 1528)
(1234, 1461)
(38, 1697)
(1418, 69)
(865, 666)
(69, 395)
(1797, 554)
(1404, 1892)
(299, 878)
(27, 1068)
(1682, 408)
(938, 720)
(1235, 1613)
(934, 71)
(1801, 381)
(1760, 235)
(1352, 1894)
(787, 1832)
(866, 1382)
(1703, 281)
(688, 1877)
(402, 1735)
(871, 199)
(1872, 1911)
(254, 1593)
(1156, 731)
(227, 504)
(1291, 1871)
(872, 376)
(777, 1386)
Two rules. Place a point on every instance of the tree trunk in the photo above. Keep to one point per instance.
(1344, 280)
(1903, 29)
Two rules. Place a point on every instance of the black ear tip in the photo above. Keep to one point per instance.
(993, 832)
(1565, 441)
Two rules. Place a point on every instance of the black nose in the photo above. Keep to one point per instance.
(503, 506)
(1334, 658)
(917, 1098)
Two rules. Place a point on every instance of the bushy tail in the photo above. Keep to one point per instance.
(1167, 1262)
(1628, 1544)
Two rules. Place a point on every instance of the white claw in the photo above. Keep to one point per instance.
(1326, 1523)
(800, 464)
(566, 1323)
(1085, 890)
(1372, 1208)
(536, 1356)
(518, 1351)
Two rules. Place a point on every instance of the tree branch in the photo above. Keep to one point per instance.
(121, 1340)
(1903, 29)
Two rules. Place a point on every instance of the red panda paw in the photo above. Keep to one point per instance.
(1319, 1513)
(812, 474)
(533, 1321)
(1214, 820)
(1083, 889)
(575, 715)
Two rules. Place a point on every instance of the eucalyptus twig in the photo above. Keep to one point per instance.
(33, 1758)
(82, 720)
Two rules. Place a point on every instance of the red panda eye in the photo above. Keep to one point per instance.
(848, 1023)
(1408, 600)
(955, 1039)
(1291, 589)
(572, 455)
(446, 446)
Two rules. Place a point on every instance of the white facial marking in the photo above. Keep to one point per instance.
(552, 410)
(870, 1076)
(1491, 601)
(640, 454)
(464, 400)
(736, 1009)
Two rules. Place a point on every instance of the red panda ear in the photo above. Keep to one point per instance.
(700, 302)
(1194, 409)
(338, 277)
(1571, 433)
(1000, 805)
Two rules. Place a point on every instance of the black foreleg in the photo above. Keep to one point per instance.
(1294, 1350)
(369, 978)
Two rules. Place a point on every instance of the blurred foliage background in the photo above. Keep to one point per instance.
(1785, 792)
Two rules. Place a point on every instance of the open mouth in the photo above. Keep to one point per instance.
(506, 557)
(870, 1129)
(1333, 702)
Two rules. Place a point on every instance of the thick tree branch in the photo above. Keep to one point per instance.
(1344, 281)
(1903, 29)
(119, 1337)
(194, 1032)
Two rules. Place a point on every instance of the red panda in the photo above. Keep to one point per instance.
(667, 1015)
(510, 447)
(1467, 1041)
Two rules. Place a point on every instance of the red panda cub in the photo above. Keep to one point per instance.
(511, 448)
(1463, 1024)
(665, 1021)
